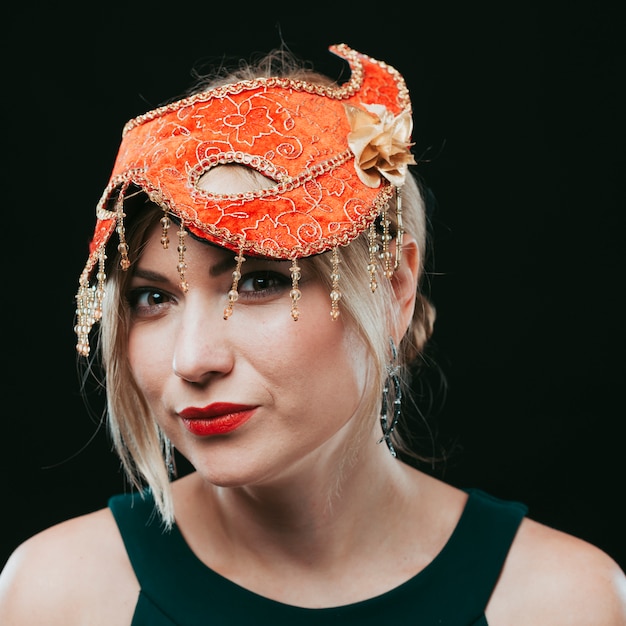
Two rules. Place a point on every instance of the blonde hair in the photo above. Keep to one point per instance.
(137, 439)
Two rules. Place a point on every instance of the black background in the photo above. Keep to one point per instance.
(519, 107)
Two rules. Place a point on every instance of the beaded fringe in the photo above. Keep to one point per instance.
(90, 297)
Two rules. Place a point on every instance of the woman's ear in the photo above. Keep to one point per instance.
(404, 283)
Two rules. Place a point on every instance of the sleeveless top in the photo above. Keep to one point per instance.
(178, 589)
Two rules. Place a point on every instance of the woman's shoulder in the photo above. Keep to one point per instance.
(551, 577)
(68, 570)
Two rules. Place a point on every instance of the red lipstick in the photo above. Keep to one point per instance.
(218, 418)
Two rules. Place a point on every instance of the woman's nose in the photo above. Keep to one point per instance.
(202, 348)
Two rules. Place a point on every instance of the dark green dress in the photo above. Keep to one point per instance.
(177, 588)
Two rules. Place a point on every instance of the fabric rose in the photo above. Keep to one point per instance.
(381, 144)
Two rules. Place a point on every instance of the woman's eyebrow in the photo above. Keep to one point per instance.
(222, 266)
(217, 269)
(227, 264)
(140, 272)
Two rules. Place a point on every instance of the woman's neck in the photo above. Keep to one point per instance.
(317, 512)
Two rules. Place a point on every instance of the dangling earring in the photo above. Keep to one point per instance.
(170, 459)
(392, 379)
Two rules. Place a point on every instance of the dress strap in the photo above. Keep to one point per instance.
(152, 550)
(472, 560)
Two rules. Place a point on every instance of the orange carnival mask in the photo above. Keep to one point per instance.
(336, 155)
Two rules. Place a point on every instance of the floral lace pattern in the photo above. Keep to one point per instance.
(302, 136)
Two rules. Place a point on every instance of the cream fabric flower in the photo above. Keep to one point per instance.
(381, 144)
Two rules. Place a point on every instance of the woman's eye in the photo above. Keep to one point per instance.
(263, 283)
(146, 300)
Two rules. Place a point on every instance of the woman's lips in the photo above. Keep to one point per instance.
(218, 418)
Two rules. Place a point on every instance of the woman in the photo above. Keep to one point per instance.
(255, 271)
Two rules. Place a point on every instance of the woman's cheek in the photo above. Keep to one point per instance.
(148, 355)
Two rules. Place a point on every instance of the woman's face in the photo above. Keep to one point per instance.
(254, 398)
